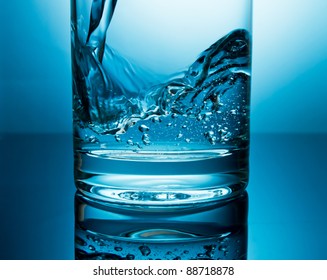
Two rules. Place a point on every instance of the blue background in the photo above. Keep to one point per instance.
(287, 190)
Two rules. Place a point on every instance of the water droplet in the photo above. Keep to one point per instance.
(187, 140)
(91, 248)
(169, 124)
(130, 257)
(130, 142)
(184, 126)
(145, 250)
(118, 249)
(210, 136)
(93, 139)
(174, 116)
(146, 139)
(138, 146)
(226, 136)
(180, 135)
(233, 112)
(100, 242)
(234, 48)
(222, 248)
(210, 250)
(186, 252)
(134, 196)
(143, 128)
(117, 137)
(210, 247)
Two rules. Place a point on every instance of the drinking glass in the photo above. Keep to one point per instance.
(161, 100)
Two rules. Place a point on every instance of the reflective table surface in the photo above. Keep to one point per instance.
(287, 197)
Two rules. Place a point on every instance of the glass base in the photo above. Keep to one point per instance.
(161, 179)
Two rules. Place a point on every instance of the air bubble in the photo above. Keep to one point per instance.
(118, 249)
(130, 142)
(210, 136)
(118, 139)
(93, 139)
(130, 257)
(146, 139)
(91, 248)
(222, 248)
(145, 250)
(210, 250)
(225, 136)
(187, 140)
(179, 135)
(100, 242)
(143, 128)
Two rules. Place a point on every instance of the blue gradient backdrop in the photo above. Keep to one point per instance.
(289, 96)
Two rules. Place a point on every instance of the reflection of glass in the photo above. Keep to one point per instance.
(161, 99)
(213, 231)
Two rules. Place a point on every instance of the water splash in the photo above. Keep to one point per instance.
(101, 15)
(111, 94)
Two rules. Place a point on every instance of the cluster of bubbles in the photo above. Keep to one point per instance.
(90, 247)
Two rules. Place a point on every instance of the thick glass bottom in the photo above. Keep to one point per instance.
(161, 179)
